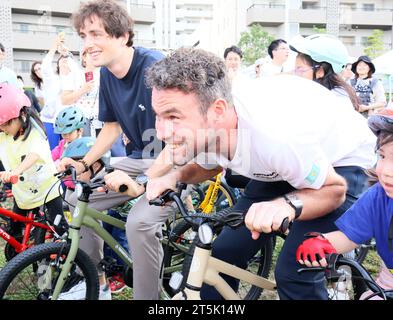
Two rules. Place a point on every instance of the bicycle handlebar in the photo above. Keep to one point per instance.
(94, 184)
(229, 217)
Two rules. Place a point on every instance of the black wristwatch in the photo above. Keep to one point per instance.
(142, 179)
(295, 203)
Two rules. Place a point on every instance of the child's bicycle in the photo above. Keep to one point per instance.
(35, 229)
(200, 267)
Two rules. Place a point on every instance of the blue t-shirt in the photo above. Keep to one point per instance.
(128, 102)
(368, 218)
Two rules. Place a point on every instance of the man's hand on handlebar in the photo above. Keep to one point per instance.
(268, 216)
(156, 186)
(117, 179)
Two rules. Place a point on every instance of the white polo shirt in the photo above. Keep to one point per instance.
(290, 129)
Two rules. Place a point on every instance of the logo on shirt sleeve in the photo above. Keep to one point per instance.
(313, 175)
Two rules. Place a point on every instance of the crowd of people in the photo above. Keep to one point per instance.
(299, 139)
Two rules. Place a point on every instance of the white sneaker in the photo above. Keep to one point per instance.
(77, 292)
(105, 293)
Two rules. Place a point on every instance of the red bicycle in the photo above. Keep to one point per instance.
(35, 230)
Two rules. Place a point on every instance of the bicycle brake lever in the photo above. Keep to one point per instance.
(162, 199)
(285, 226)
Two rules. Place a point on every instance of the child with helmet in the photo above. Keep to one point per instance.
(370, 217)
(25, 153)
(69, 123)
(321, 58)
(76, 150)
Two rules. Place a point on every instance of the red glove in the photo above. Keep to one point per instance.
(318, 244)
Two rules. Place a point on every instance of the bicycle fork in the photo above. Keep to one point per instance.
(74, 237)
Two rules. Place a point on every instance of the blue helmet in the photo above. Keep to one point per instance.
(78, 148)
(324, 48)
(69, 119)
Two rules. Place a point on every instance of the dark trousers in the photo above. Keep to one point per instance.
(237, 246)
(54, 207)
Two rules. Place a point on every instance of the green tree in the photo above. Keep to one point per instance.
(375, 46)
(254, 43)
(315, 29)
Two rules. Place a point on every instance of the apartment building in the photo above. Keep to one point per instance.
(356, 19)
(30, 28)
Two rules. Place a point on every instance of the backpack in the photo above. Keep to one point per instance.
(364, 92)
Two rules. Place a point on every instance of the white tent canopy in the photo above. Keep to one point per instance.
(384, 64)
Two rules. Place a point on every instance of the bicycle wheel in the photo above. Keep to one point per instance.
(37, 236)
(32, 275)
(260, 265)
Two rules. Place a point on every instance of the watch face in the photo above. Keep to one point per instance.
(295, 201)
(142, 179)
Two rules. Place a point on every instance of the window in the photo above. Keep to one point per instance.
(368, 6)
(348, 5)
(24, 27)
(364, 41)
(312, 5)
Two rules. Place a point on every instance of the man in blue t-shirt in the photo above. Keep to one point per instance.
(124, 106)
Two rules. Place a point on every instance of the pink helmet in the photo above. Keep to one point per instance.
(12, 100)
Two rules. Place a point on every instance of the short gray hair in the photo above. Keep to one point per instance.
(192, 71)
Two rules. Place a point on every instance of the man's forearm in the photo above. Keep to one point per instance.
(107, 137)
(161, 166)
(318, 203)
(193, 173)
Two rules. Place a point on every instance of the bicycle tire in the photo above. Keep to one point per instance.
(37, 236)
(33, 265)
(264, 258)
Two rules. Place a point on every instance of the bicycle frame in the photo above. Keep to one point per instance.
(205, 269)
(29, 224)
(89, 217)
(207, 204)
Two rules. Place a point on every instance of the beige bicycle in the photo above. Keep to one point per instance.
(202, 267)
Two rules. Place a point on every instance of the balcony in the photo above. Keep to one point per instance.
(308, 17)
(38, 40)
(375, 19)
(274, 15)
(58, 8)
(141, 13)
(269, 15)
